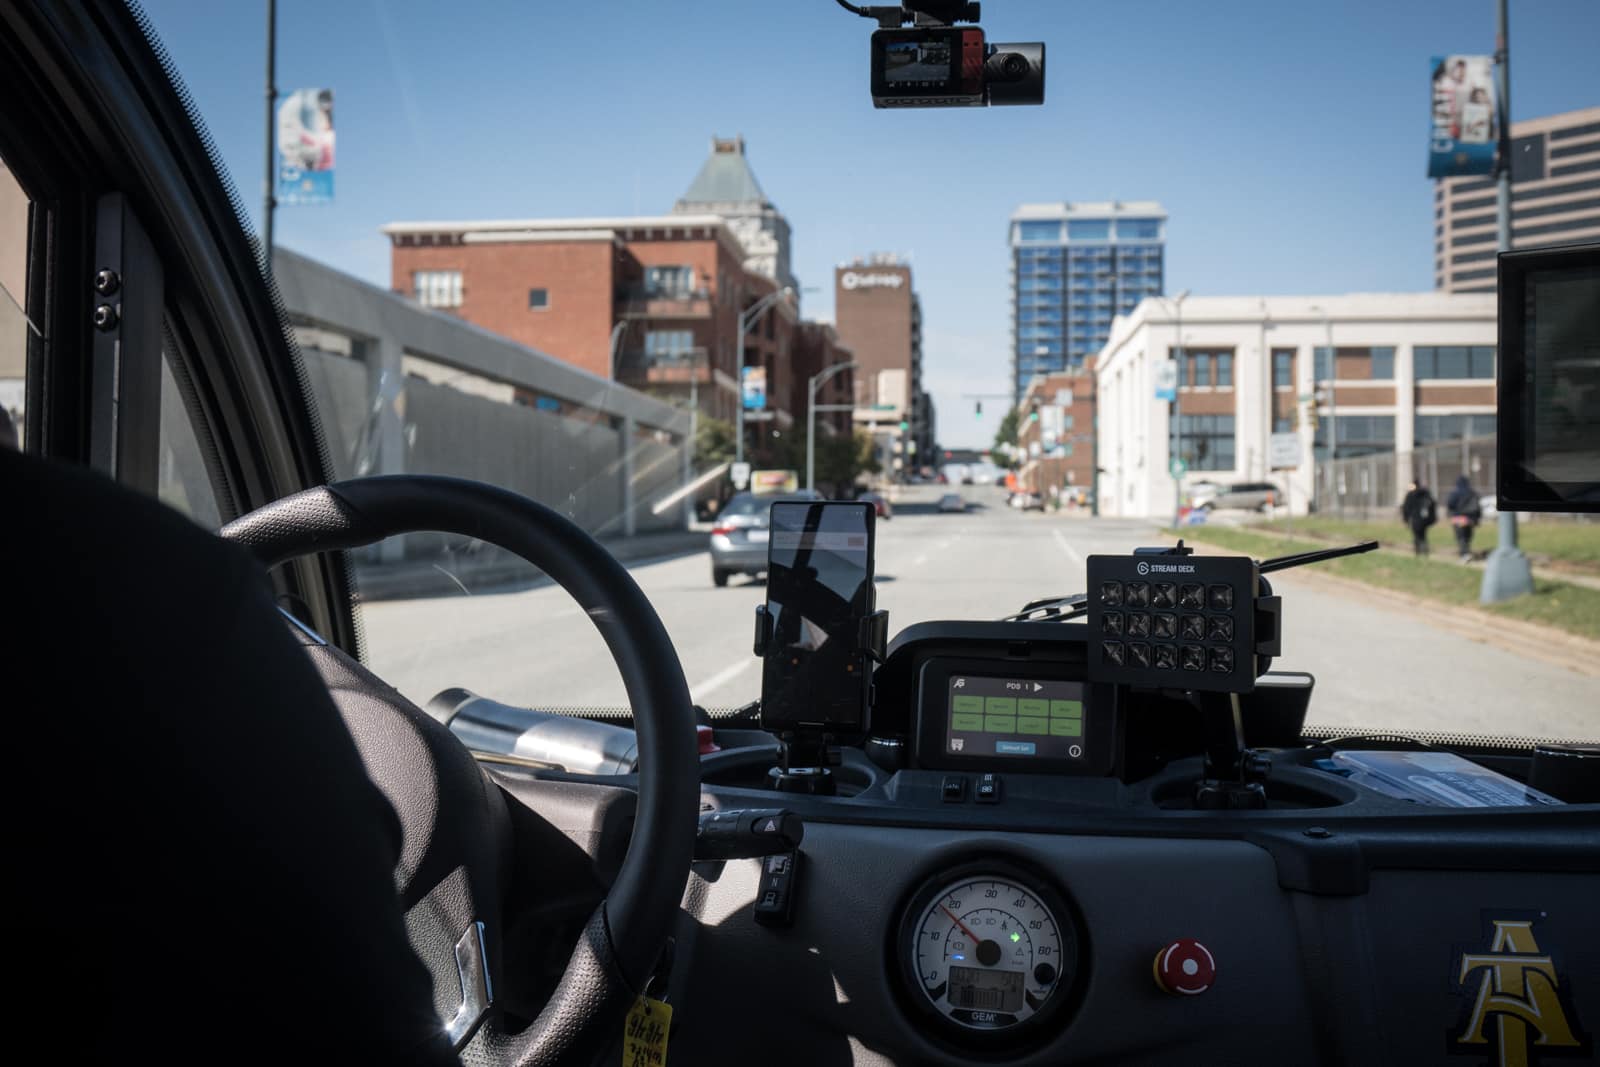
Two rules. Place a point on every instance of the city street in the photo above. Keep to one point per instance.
(1376, 664)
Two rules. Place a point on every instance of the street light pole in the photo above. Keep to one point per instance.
(811, 416)
(1174, 411)
(748, 319)
(270, 202)
(1506, 572)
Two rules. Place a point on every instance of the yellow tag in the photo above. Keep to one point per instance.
(644, 1033)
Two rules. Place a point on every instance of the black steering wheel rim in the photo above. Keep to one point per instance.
(624, 938)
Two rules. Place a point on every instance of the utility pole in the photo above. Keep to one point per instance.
(271, 202)
(1506, 573)
(1174, 410)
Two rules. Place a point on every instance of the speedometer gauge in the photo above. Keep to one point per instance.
(988, 948)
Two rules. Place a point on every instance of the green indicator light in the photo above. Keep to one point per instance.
(1015, 937)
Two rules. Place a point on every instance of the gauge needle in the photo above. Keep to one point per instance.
(975, 938)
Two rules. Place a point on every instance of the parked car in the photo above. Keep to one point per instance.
(1201, 494)
(739, 538)
(880, 504)
(1024, 501)
(952, 502)
(1245, 496)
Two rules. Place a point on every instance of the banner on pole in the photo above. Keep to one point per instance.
(755, 388)
(1465, 125)
(305, 147)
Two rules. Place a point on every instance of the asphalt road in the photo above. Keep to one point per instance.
(1376, 664)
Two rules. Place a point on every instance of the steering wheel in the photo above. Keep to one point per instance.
(624, 937)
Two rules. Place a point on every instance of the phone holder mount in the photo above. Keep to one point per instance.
(807, 754)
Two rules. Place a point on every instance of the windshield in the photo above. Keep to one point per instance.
(655, 264)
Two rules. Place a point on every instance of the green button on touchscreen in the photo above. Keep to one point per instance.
(1016, 719)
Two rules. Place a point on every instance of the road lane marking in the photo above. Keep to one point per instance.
(1071, 552)
(698, 693)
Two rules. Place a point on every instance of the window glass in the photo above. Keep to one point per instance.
(1322, 364)
(437, 288)
(1207, 442)
(183, 482)
(669, 281)
(538, 299)
(1138, 229)
(1039, 231)
(1202, 369)
(1088, 229)
(1282, 368)
(1383, 363)
(1224, 370)
(14, 324)
(660, 343)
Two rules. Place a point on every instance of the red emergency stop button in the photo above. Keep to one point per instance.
(1184, 968)
(706, 738)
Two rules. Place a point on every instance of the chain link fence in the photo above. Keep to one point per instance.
(1371, 487)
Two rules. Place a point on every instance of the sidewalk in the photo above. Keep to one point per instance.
(494, 570)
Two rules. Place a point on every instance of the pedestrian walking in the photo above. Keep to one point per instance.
(1419, 511)
(1465, 512)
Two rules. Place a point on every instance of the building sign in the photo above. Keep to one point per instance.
(1464, 128)
(1283, 451)
(774, 481)
(305, 147)
(755, 388)
(851, 279)
(1167, 380)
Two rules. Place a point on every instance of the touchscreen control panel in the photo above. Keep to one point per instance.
(1014, 717)
(1017, 715)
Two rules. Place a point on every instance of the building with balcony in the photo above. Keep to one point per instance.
(1555, 200)
(1074, 266)
(1348, 376)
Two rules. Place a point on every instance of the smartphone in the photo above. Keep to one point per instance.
(816, 672)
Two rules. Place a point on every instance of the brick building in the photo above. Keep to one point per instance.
(1055, 431)
(880, 318)
(816, 346)
(671, 287)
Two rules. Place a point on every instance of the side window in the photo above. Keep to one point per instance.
(14, 324)
(183, 480)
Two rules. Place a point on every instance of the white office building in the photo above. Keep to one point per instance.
(1408, 369)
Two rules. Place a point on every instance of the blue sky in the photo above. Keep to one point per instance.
(1287, 140)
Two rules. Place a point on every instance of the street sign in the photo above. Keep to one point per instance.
(1167, 380)
(758, 416)
(1178, 467)
(1283, 451)
(740, 473)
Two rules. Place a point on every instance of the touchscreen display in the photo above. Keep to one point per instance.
(1024, 717)
(1562, 426)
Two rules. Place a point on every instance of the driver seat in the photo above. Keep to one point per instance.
(207, 872)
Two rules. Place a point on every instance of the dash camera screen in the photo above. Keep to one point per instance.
(1016, 717)
(917, 63)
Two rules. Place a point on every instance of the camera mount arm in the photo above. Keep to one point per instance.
(920, 12)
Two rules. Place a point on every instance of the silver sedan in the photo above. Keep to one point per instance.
(739, 538)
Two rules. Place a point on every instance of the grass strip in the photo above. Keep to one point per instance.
(1560, 605)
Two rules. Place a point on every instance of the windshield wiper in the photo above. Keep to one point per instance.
(1066, 608)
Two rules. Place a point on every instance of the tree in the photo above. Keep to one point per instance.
(1005, 440)
(842, 458)
(713, 442)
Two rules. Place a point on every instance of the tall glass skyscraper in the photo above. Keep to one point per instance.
(1072, 266)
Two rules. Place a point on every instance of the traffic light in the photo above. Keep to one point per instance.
(904, 426)
(978, 409)
(1033, 416)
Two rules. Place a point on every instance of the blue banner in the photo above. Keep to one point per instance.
(305, 147)
(755, 388)
(1465, 124)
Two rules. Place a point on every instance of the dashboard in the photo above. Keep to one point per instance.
(1014, 866)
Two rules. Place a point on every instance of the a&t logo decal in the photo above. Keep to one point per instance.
(1516, 1005)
